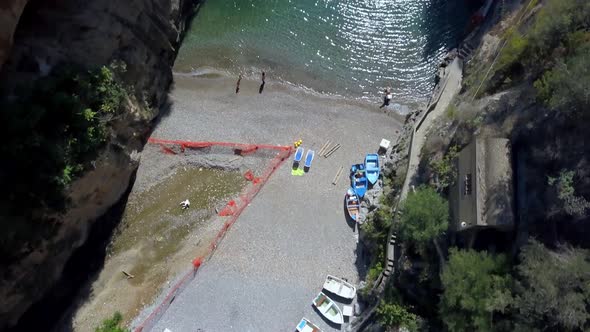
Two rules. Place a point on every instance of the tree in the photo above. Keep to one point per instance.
(445, 169)
(112, 324)
(564, 185)
(553, 288)
(394, 315)
(564, 88)
(425, 215)
(476, 285)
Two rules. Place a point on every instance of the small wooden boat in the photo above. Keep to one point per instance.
(306, 326)
(309, 158)
(352, 204)
(358, 180)
(372, 167)
(328, 308)
(339, 287)
(298, 155)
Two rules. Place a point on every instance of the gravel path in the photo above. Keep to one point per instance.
(275, 258)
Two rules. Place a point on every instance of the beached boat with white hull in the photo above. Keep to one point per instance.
(339, 287)
(306, 326)
(328, 308)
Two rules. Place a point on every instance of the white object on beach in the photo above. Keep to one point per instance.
(384, 144)
(347, 310)
(185, 204)
(328, 308)
(339, 287)
(167, 330)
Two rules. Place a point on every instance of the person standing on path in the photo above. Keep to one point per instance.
(387, 97)
(262, 85)
(238, 83)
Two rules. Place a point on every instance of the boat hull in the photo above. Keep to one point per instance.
(372, 167)
(352, 204)
(305, 325)
(328, 308)
(339, 287)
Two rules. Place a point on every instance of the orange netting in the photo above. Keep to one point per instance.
(232, 210)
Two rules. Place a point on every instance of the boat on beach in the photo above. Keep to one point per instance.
(328, 308)
(352, 204)
(358, 180)
(372, 168)
(306, 326)
(339, 287)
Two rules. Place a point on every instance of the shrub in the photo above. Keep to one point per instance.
(553, 289)
(394, 315)
(564, 185)
(476, 285)
(513, 51)
(112, 324)
(425, 215)
(565, 87)
(377, 227)
(52, 129)
(451, 112)
(445, 169)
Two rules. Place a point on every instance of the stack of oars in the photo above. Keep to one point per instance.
(328, 149)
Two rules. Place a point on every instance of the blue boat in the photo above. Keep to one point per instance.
(358, 180)
(372, 167)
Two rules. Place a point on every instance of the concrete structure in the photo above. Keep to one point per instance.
(483, 194)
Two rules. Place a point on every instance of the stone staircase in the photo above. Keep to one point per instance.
(465, 51)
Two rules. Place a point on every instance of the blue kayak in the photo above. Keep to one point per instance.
(372, 167)
(309, 158)
(358, 180)
(298, 155)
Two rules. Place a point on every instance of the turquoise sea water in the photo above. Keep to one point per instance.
(353, 48)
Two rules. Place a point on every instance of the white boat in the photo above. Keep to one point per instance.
(339, 287)
(306, 326)
(328, 308)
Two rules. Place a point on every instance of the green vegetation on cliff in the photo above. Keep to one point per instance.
(112, 324)
(536, 276)
(476, 285)
(51, 131)
(425, 216)
(553, 289)
(553, 50)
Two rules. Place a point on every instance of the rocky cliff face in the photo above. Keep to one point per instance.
(145, 35)
(10, 12)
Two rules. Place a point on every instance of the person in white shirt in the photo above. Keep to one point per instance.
(387, 98)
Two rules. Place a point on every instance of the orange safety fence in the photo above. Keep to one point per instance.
(232, 210)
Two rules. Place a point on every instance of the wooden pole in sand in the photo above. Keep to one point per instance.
(337, 177)
(323, 149)
(332, 150)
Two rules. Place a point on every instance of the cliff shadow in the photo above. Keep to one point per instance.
(55, 311)
(445, 23)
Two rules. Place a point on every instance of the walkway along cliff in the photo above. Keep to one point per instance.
(36, 37)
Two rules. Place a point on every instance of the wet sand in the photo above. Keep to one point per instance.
(275, 258)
